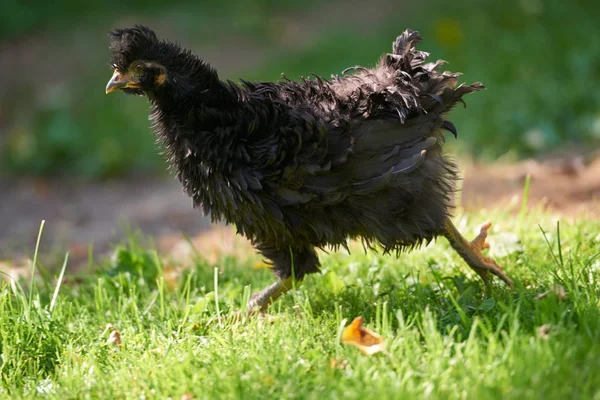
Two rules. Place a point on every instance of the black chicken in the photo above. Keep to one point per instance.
(304, 165)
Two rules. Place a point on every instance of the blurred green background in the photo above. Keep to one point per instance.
(540, 61)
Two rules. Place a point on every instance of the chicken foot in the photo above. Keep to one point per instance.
(290, 265)
(471, 252)
(261, 300)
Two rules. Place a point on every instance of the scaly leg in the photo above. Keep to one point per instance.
(261, 300)
(471, 252)
(289, 265)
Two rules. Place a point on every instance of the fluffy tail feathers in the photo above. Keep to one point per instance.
(405, 42)
(435, 89)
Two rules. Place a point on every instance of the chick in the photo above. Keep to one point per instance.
(311, 164)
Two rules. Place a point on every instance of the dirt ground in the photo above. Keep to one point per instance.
(77, 213)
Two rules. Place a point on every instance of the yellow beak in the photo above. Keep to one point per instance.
(121, 81)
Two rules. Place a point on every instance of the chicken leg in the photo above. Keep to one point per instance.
(290, 265)
(471, 252)
(261, 300)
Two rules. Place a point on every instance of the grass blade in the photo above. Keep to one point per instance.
(58, 283)
(33, 264)
(560, 253)
(556, 260)
(216, 281)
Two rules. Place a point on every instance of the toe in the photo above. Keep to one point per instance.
(484, 228)
(479, 242)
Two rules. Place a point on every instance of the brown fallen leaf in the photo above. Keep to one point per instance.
(265, 319)
(115, 336)
(339, 364)
(187, 396)
(559, 292)
(544, 331)
(172, 275)
(367, 341)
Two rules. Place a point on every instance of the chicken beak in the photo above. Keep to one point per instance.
(120, 81)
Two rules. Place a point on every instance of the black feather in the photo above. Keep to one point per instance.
(303, 165)
(449, 126)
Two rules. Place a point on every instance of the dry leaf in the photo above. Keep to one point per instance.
(265, 319)
(171, 275)
(544, 331)
(187, 396)
(115, 336)
(339, 364)
(367, 341)
(559, 292)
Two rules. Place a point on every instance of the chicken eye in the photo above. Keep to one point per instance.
(138, 68)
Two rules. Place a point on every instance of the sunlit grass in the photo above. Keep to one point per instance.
(445, 337)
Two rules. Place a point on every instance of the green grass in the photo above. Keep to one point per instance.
(445, 338)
